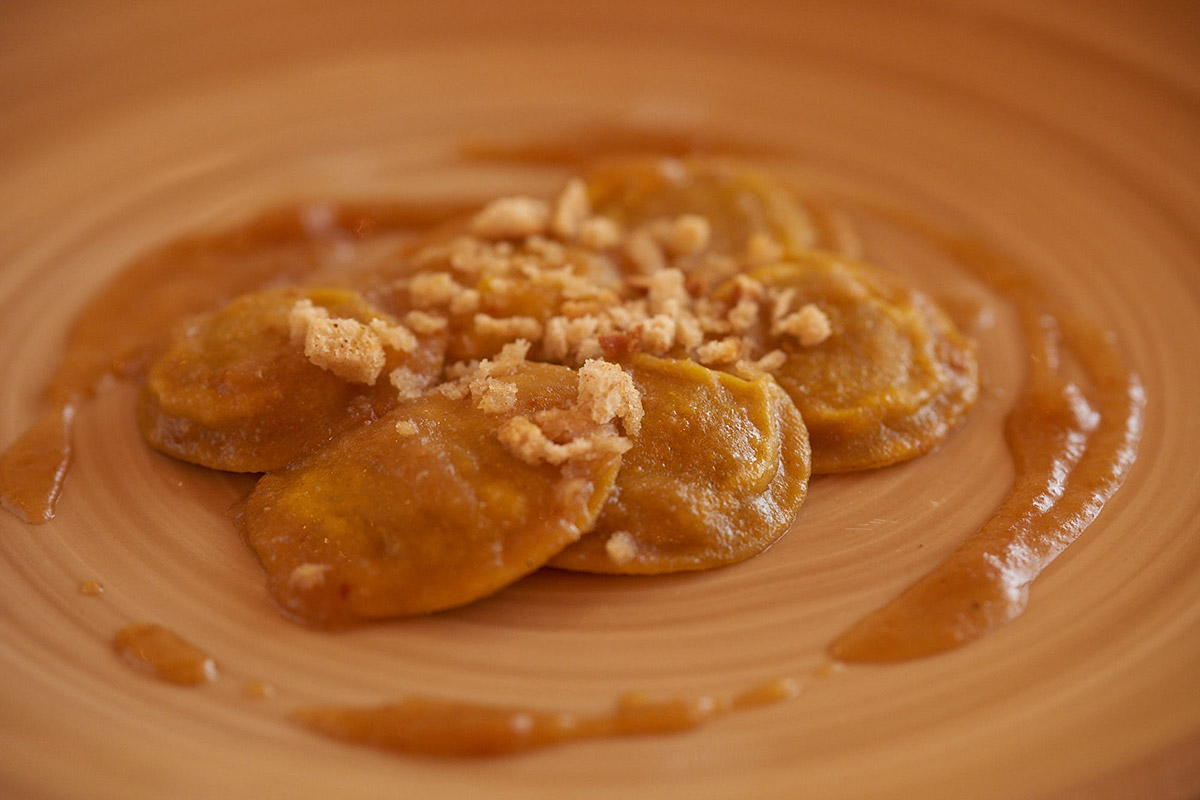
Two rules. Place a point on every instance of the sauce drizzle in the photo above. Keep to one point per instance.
(120, 329)
(1073, 447)
(160, 652)
(33, 469)
(427, 726)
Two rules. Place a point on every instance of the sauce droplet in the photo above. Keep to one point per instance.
(91, 588)
(164, 654)
(427, 726)
(33, 469)
(260, 690)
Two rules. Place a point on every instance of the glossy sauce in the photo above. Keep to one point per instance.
(160, 652)
(1072, 445)
(33, 469)
(426, 726)
(91, 588)
(259, 690)
(121, 328)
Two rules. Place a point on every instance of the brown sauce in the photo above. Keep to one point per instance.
(259, 690)
(119, 330)
(1072, 443)
(33, 469)
(161, 653)
(91, 588)
(426, 726)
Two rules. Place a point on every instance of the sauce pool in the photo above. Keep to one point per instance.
(1073, 443)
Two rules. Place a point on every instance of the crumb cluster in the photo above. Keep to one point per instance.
(552, 281)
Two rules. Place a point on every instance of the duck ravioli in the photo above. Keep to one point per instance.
(446, 499)
(716, 476)
(879, 373)
(711, 216)
(276, 374)
(637, 376)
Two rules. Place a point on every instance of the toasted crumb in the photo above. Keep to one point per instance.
(782, 304)
(406, 428)
(495, 396)
(408, 384)
(667, 292)
(810, 326)
(465, 302)
(433, 289)
(554, 339)
(688, 235)
(345, 347)
(749, 288)
(396, 337)
(308, 576)
(301, 316)
(688, 332)
(511, 218)
(607, 392)
(508, 327)
(763, 249)
(743, 315)
(767, 365)
(599, 233)
(424, 324)
(571, 210)
(453, 390)
(621, 547)
(528, 442)
(721, 351)
(644, 252)
(657, 334)
(512, 354)
(772, 361)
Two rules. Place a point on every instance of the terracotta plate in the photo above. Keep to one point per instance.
(1062, 134)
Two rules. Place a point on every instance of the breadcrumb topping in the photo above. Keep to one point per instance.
(433, 289)
(511, 218)
(688, 235)
(809, 326)
(508, 327)
(644, 253)
(396, 337)
(721, 351)
(599, 233)
(408, 384)
(621, 547)
(494, 396)
(762, 249)
(528, 442)
(571, 210)
(345, 347)
(608, 292)
(606, 392)
(425, 324)
(308, 576)
(406, 428)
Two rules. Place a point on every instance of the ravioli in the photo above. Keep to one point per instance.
(235, 390)
(432, 506)
(891, 379)
(716, 476)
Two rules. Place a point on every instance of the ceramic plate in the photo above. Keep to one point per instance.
(1063, 135)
